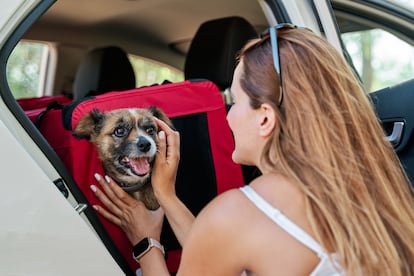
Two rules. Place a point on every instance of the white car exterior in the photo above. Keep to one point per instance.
(41, 233)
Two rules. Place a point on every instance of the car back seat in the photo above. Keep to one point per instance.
(212, 55)
(102, 70)
(205, 170)
(214, 48)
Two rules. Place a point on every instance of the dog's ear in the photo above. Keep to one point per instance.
(157, 112)
(89, 125)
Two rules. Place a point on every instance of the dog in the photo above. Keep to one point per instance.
(126, 140)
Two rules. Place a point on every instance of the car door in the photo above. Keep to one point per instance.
(383, 33)
(394, 106)
(377, 38)
(41, 230)
(41, 233)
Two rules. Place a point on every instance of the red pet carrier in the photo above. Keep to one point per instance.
(197, 111)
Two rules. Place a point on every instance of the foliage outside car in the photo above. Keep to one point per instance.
(24, 69)
(376, 69)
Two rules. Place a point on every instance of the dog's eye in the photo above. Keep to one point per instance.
(150, 130)
(120, 132)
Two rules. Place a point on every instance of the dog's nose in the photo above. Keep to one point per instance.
(143, 144)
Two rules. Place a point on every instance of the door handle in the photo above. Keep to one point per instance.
(396, 135)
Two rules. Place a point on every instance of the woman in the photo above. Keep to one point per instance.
(332, 197)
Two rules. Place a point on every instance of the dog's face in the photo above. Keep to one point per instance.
(126, 140)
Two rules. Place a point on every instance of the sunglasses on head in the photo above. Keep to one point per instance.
(271, 33)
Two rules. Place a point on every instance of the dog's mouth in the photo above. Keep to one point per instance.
(139, 166)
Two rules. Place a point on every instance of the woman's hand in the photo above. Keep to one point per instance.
(166, 163)
(128, 213)
(163, 182)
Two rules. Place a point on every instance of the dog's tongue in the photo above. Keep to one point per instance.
(139, 165)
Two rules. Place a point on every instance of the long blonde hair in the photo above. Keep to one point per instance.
(330, 143)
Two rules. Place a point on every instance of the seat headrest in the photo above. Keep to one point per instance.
(214, 48)
(102, 70)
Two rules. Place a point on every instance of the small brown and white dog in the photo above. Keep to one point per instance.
(126, 140)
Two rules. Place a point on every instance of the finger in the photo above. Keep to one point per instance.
(110, 187)
(123, 196)
(172, 136)
(164, 126)
(106, 201)
(109, 216)
(161, 148)
(173, 145)
(169, 132)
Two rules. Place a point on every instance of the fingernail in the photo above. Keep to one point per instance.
(93, 188)
(161, 134)
(107, 179)
(95, 207)
(97, 177)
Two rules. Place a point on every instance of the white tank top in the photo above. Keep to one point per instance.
(328, 266)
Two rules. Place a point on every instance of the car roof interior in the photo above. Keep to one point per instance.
(158, 29)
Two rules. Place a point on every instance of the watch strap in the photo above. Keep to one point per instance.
(145, 245)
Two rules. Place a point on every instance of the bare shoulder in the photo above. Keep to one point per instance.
(213, 246)
(234, 202)
(230, 204)
(233, 232)
(226, 202)
(235, 205)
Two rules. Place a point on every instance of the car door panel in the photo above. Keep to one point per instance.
(40, 232)
(395, 108)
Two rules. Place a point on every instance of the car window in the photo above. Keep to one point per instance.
(148, 72)
(405, 4)
(27, 67)
(379, 56)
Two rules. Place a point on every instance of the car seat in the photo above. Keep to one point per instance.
(212, 55)
(102, 70)
(214, 48)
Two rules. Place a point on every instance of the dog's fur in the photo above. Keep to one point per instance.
(126, 140)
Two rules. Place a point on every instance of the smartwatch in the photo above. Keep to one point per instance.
(141, 248)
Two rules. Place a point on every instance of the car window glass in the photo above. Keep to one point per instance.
(380, 58)
(148, 72)
(405, 4)
(27, 68)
